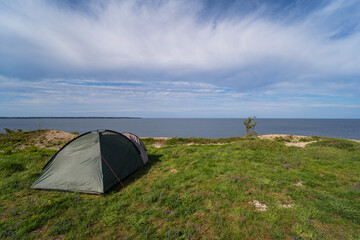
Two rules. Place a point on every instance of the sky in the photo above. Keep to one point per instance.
(180, 59)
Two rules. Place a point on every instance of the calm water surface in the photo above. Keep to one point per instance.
(187, 127)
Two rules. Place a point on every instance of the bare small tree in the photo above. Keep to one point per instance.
(250, 126)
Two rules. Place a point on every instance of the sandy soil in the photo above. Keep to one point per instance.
(53, 139)
(285, 136)
(260, 207)
(299, 183)
(294, 139)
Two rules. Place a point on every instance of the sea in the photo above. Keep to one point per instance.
(192, 127)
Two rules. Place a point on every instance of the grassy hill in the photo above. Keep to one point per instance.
(240, 188)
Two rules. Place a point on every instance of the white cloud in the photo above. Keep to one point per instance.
(79, 97)
(170, 36)
(213, 66)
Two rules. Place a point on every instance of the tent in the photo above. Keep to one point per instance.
(93, 162)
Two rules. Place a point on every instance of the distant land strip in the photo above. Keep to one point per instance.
(70, 117)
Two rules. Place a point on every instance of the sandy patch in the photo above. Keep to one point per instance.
(158, 144)
(299, 183)
(53, 139)
(261, 207)
(287, 205)
(294, 138)
(298, 144)
(289, 140)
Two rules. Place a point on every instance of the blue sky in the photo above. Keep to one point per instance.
(292, 59)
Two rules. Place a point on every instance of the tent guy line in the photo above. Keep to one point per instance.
(118, 179)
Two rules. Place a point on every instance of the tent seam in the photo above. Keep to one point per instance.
(102, 170)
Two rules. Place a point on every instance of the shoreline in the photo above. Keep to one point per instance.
(204, 128)
(55, 139)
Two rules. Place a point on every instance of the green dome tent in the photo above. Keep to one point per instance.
(93, 162)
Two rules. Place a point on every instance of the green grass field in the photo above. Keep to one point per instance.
(203, 191)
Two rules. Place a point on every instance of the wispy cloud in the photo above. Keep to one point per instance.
(79, 97)
(124, 34)
(179, 55)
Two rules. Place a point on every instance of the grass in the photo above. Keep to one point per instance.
(193, 192)
(191, 140)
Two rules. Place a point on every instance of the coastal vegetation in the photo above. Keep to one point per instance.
(250, 125)
(192, 188)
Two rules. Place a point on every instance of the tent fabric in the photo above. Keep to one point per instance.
(139, 144)
(79, 166)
